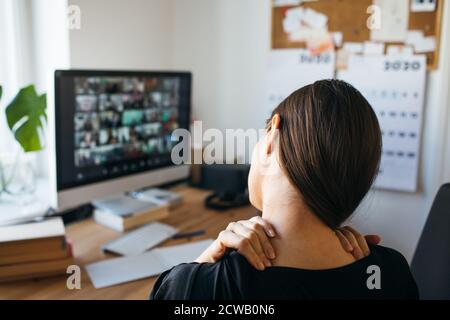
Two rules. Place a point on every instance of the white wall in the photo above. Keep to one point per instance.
(123, 34)
(196, 48)
(225, 43)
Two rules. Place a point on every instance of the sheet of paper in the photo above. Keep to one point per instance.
(174, 255)
(293, 20)
(283, 3)
(291, 25)
(420, 42)
(400, 50)
(423, 5)
(373, 48)
(291, 69)
(140, 240)
(306, 25)
(125, 269)
(427, 44)
(314, 19)
(353, 47)
(394, 20)
(295, 14)
(321, 45)
(395, 87)
(414, 36)
(300, 35)
(309, 35)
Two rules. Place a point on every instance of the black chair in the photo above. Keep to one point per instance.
(431, 262)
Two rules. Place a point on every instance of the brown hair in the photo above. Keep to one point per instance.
(330, 147)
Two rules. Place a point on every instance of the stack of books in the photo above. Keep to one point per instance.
(34, 250)
(125, 212)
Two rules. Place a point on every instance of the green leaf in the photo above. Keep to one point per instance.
(1, 91)
(24, 115)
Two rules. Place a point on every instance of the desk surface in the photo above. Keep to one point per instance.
(88, 237)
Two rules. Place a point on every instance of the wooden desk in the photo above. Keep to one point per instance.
(88, 237)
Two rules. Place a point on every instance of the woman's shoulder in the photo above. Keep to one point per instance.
(175, 283)
(388, 256)
(390, 260)
(200, 281)
(394, 269)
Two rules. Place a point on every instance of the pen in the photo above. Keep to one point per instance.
(189, 234)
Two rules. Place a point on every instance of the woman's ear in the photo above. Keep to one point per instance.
(273, 134)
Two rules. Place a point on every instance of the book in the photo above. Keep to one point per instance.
(159, 196)
(124, 205)
(49, 228)
(122, 219)
(37, 269)
(35, 241)
(32, 250)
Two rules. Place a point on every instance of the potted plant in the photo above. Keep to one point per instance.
(26, 118)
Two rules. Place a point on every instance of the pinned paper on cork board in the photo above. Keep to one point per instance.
(323, 24)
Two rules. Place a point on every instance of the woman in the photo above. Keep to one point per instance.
(316, 164)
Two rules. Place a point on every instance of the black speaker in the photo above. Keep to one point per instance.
(229, 183)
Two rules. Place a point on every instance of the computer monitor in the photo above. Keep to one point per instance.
(112, 132)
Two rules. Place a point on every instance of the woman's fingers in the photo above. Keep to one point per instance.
(240, 229)
(235, 241)
(344, 242)
(270, 231)
(216, 250)
(354, 242)
(249, 237)
(360, 240)
(262, 236)
(373, 238)
(357, 251)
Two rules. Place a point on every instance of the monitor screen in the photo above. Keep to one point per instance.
(115, 123)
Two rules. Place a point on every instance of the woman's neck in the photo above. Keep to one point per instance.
(303, 240)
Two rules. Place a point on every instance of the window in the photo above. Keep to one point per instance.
(34, 41)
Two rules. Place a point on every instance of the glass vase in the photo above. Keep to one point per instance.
(18, 178)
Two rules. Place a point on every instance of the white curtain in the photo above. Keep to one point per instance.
(34, 41)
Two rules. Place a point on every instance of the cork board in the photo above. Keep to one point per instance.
(350, 17)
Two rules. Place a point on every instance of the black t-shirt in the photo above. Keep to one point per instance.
(384, 274)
